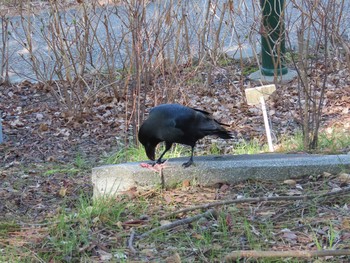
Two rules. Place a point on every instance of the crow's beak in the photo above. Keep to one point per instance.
(150, 151)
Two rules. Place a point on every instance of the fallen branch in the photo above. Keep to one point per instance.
(257, 200)
(235, 255)
(184, 221)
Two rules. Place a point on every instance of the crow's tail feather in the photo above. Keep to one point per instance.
(223, 134)
(223, 124)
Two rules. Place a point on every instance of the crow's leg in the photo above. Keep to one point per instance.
(167, 148)
(190, 161)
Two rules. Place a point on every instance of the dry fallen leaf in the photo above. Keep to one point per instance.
(326, 175)
(62, 192)
(149, 252)
(346, 223)
(186, 183)
(131, 193)
(168, 199)
(224, 188)
(173, 259)
(119, 224)
(43, 127)
(197, 236)
(344, 177)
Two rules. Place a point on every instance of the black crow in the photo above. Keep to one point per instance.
(174, 123)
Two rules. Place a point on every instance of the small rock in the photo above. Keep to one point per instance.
(298, 186)
(39, 116)
(103, 255)
(164, 222)
(290, 182)
(120, 255)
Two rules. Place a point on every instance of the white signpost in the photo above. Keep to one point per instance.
(258, 95)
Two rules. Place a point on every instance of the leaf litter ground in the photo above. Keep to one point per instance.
(42, 174)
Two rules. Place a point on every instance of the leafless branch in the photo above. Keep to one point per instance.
(180, 222)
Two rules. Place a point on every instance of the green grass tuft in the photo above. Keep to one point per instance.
(137, 153)
(250, 147)
(72, 231)
(331, 141)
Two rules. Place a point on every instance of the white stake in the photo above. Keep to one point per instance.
(0, 129)
(266, 121)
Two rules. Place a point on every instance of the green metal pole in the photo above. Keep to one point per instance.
(272, 38)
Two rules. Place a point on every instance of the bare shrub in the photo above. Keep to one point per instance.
(146, 52)
(317, 25)
(134, 49)
(4, 50)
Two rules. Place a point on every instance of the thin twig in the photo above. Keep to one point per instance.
(256, 200)
(162, 180)
(179, 223)
(131, 241)
(233, 256)
(278, 215)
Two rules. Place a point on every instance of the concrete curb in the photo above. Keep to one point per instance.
(211, 170)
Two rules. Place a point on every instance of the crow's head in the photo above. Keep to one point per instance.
(148, 141)
(150, 151)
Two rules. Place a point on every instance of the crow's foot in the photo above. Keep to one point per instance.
(159, 162)
(187, 164)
